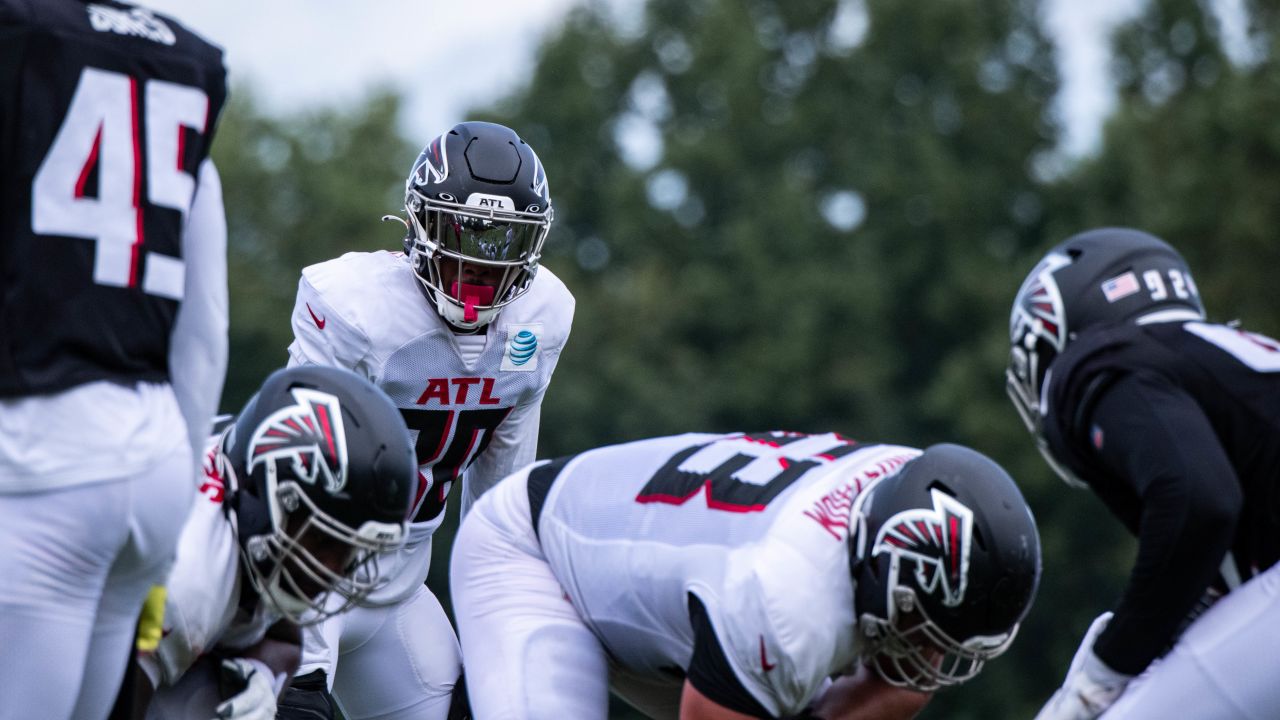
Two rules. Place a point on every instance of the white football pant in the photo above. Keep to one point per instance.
(396, 662)
(1222, 668)
(528, 654)
(75, 566)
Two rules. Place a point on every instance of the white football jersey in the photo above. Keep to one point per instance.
(472, 420)
(755, 526)
(202, 602)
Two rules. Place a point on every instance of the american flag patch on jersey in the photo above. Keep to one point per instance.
(1120, 286)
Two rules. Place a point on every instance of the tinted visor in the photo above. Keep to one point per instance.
(484, 239)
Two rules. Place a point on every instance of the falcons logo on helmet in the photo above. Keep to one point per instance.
(433, 163)
(938, 540)
(539, 179)
(309, 436)
(1039, 306)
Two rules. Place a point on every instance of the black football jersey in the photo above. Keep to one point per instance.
(1176, 427)
(106, 113)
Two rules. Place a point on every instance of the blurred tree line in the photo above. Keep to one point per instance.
(813, 215)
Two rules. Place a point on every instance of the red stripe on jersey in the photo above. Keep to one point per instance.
(88, 164)
(137, 187)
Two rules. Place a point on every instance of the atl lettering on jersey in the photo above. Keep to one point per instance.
(458, 390)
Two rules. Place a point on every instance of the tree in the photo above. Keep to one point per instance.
(299, 189)
(1191, 152)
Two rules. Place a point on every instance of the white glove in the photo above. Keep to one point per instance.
(258, 699)
(1090, 687)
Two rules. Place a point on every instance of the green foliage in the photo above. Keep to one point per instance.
(1191, 156)
(299, 189)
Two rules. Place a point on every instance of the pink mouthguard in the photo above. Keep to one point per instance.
(471, 296)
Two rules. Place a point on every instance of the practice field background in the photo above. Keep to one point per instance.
(798, 214)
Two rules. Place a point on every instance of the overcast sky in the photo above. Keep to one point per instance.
(449, 56)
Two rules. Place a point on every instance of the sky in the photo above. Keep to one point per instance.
(450, 56)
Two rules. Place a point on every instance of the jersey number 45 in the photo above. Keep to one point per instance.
(103, 136)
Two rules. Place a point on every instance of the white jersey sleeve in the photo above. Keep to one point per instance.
(202, 588)
(198, 345)
(778, 650)
(321, 335)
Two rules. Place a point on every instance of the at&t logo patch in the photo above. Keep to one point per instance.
(521, 353)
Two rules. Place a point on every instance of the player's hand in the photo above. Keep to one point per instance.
(257, 699)
(1091, 687)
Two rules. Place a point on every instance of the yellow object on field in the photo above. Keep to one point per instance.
(151, 621)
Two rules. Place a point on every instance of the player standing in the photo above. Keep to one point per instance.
(1173, 421)
(728, 577)
(113, 340)
(462, 331)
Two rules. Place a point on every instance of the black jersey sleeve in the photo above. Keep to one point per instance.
(1150, 434)
(709, 670)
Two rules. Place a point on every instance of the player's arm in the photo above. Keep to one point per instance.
(1156, 437)
(866, 696)
(514, 445)
(696, 706)
(321, 335)
(712, 690)
(862, 696)
(198, 345)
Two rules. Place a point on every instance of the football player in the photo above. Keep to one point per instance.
(721, 577)
(113, 331)
(301, 495)
(463, 331)
(1172, 420)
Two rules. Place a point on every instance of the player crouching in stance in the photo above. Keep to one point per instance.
(314, 479)
(1172, 420)
(720, 577)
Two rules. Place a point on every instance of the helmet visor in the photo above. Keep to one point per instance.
(485, 240)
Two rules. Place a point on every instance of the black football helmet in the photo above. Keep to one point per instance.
(477, 194)
(945, 559)
(321, 477)
(1099, 277)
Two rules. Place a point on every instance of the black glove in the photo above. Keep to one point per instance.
(307, 698)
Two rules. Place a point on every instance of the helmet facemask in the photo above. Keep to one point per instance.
(444, 232)
(309, 557)
(321, 476)
(907, 649)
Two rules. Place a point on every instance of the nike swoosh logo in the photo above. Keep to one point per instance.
(318, 320)
(764, 658)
